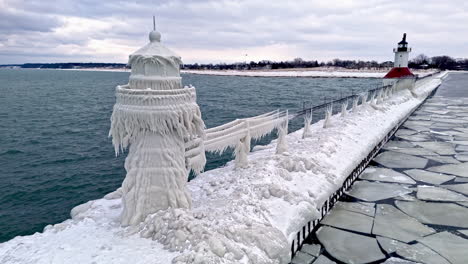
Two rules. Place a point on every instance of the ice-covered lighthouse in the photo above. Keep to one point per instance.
(400, 73)
(161, 124)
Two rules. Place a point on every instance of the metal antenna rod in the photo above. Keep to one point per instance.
(154, 23)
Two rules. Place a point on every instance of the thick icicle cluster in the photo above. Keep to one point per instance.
(160, 121)
(239, 133)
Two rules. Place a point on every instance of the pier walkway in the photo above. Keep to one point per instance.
(411, 204)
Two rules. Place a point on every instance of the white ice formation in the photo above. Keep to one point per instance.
(160, 122)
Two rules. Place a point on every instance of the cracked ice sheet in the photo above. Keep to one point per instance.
(460, 170)
(446, 214)
(385, 175)
(392, 223)
(274, 191)
(393, 159)
(448, 245)
(349, 247)
(429, 177)
(432, 193)
(348, 220)
(376, 191)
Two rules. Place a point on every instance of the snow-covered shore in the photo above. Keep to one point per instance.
(238, 215)
(311, 73)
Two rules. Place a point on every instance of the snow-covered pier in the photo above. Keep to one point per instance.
(411, 204)
(259, 208)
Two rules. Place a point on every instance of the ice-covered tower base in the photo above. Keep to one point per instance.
(157, 119)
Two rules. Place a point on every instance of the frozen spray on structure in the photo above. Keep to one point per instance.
(160, 122)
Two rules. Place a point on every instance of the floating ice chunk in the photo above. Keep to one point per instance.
(323, 260)
(375, 191)
(443, 126)
(461, 188)
(461, 148)
(462, 129)
(405, 132)
(385, 175)
(398, 144)
(391, 222)
(416, 137)
(443, 159)
(432, 193)
(367, 208)
(429, 177)
(449, 120)
(421, 253)
(464, 143)
(446, 214)
(394, 260)
(389, 245)
(440, 112)
(348, 220)
(448, 245)
(416, 151)
(400, 160)
(313, 250)
(442, 148)
(420, 118)
(349, 247)
(418, 123)
(302, 258)
(460, 179)
(416, 128)
(455, 169)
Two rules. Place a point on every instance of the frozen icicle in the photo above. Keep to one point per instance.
(364, 97)
(328, 114)
(241, 152)
(282, 145)
(379, 99)
(344, 107)
(355, 103)
(307, 122)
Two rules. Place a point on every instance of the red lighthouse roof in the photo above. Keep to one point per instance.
(399, 73)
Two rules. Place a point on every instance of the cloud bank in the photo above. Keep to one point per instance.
(229, 31)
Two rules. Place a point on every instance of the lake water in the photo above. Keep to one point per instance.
(54, 147)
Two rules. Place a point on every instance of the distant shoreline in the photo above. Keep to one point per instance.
(302, 73)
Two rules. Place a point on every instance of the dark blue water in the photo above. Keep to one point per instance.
(54, 149)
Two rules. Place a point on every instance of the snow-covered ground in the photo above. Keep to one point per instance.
(321, 72)
(238, 215)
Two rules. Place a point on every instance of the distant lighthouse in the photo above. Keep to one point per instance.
(400, 68)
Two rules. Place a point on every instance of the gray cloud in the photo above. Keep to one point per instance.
(226, 30)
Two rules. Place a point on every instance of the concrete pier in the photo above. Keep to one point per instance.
(410, 205)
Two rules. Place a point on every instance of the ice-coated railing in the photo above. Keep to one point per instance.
(239, 133)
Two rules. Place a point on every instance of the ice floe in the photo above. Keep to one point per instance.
(385, 175)
(348, 220)
(432, 193)
(455, 169)
(461, 188)
(448, 245)
(392, 223)
(442, 148)
(446, 214)
(363, 208)
(349, 247)
(393, 159)
(375, 191)
(420, 253)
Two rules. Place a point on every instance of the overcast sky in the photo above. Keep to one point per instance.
(230, 31)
